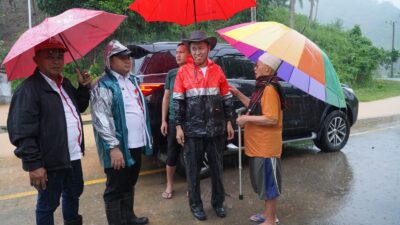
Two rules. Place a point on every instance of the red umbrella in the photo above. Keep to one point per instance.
(79, 29)
(185, 12)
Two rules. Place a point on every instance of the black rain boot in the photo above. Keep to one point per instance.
(113, 213)
(77, 221)
(127, 209)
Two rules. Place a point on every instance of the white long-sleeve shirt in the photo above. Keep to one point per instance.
(74, 127)
(134, 114)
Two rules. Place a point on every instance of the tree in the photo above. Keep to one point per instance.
(316, 10)
(310, 15)
(293, 11)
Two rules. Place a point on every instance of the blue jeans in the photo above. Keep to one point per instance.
(65, 183)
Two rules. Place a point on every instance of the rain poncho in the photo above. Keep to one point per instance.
(108, 112)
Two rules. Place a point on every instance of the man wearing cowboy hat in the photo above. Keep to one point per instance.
(203, 114)
(45, 125)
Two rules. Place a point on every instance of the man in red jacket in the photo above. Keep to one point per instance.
(203, 114)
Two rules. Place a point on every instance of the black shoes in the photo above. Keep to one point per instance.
(199, 213)
(220, 211)
(138, 221)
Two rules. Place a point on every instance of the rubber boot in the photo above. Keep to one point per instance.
(113, 213)
(77, 221)
(127, 209)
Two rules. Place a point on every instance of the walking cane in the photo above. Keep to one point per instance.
(239, 112)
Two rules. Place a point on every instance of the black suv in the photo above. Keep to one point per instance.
(306, 118)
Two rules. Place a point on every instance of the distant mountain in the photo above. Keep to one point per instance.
(371, 15)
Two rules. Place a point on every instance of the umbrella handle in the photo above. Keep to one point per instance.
(69, 51)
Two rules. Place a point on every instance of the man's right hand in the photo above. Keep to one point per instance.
(117, 159)
(164, 128)
(38, 178)
(180, 137)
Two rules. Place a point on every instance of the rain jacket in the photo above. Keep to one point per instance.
(109, 121)
(202, 104)
(37, 126)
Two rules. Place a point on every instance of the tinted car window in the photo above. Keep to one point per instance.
(236, 66)
(159, 62)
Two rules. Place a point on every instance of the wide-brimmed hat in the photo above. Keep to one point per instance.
(198, 36)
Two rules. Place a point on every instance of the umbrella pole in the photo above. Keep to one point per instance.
(195, 15)
(69, 51)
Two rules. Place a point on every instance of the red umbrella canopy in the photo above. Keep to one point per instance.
(81, 29)
(185, 12)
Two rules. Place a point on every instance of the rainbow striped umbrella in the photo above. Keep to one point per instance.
(304, 64)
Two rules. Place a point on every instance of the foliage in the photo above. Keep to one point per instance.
(377, 89)
(352, 54)
(3, 51)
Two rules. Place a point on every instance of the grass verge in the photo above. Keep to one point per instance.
(378, 89)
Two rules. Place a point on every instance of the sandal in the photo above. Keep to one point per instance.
(167, 195)
(259, 218)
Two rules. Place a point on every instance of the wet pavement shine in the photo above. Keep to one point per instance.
(356, 186)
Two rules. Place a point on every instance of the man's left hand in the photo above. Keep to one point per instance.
(230, 131)
(83, 78)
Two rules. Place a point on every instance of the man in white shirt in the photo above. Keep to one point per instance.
(122, 131)
(44, 124)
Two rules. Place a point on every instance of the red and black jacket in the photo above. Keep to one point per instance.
(202, 103)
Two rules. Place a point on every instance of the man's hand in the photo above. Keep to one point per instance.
(230, 131)
(164, 128)
(117, 159)
(180, 136)
(83, 78)
(38, 178)
(241, 120)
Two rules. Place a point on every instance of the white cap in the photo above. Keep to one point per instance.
(270, 60)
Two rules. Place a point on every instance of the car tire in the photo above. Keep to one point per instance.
(334, 132)
(181, 167)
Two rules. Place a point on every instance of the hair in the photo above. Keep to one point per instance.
(181, 44)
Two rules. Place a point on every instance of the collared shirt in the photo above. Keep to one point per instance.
(74, 127)
(204, 70)
(134, 113)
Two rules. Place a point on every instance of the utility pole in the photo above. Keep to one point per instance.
(392, 56)
(253, 14)
(29, 14)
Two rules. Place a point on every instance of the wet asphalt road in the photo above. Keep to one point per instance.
(359, 185)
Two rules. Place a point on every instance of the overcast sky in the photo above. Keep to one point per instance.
(395, 2)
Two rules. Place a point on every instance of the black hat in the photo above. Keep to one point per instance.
(137, 52)
(198, 36)
(126, 52)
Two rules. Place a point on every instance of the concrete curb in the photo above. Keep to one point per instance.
(367, 123)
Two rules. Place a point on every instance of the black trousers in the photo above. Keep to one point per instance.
(174, 148)
(194, 153)
(122, 181)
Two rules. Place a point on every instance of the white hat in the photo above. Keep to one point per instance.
(270, 60)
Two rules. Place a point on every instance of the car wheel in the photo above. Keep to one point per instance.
(334, 132)
(181, 168)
